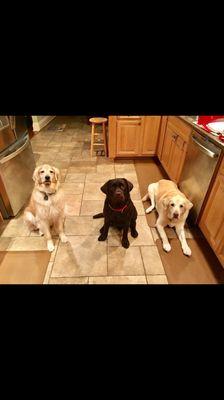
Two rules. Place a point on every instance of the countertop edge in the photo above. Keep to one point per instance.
(203, 131)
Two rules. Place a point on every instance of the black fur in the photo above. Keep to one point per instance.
(118, 196)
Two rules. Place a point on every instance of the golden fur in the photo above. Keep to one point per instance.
(173, 208)
(46, 206)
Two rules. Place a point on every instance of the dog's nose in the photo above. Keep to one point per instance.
(47, 177)
(176, 215)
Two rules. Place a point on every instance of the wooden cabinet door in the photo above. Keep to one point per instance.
(162, 133)
(167, 148)
(150, 135)
(128, 137)
(212, 219)
(176, 158)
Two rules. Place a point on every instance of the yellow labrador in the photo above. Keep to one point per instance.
(46, 206)
(173, 208)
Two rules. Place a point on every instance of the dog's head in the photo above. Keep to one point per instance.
(117, 190)
(46, 176)
(176, 206)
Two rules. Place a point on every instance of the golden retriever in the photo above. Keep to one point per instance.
(46, 206)
(173, 208)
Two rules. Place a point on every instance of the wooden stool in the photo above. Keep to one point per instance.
(98, 121)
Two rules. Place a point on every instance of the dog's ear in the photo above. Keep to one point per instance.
(56, 173)
(189, 205)
(35, 174)
(104, 188)
(129, 185)
(165, 202)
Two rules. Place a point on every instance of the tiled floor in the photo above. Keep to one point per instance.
(84, 259)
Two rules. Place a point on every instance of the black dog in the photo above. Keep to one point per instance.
(119, 211)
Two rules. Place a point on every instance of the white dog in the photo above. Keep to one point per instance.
(46, 206)
(173, 208)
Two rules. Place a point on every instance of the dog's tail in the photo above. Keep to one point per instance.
(146, 197)
(98, 215)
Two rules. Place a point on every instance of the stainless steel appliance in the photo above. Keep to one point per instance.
(16, 165)
(200, 163)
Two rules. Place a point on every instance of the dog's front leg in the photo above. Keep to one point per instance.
(181, 235)
(44, 227)
(160, 228)
(60, 230)
(125, 241)
(104, 230)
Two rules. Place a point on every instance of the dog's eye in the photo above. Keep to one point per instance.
(42, 172)
(51, 172)
(172, 204)
(181, 206)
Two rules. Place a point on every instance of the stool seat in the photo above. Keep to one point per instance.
(97, 120)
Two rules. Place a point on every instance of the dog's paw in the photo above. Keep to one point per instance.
(102, 237)
(148, 210)
(125, 243)
(50, 245)
(101, 230)
(167, 247)
(63, 238)
(187, 251)
(134, 234)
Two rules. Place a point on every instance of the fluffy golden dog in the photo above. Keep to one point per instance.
(173, 208)
(46, 206)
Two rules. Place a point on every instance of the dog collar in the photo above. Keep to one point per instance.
(118, 209)
(47, 194)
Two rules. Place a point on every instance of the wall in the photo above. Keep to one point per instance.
(39, 121)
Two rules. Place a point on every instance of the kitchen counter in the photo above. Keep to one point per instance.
(192, 121)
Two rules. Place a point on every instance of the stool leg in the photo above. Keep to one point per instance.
(105, 139)
(92, 139)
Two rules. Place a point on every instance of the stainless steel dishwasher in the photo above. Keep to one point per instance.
(200, 163)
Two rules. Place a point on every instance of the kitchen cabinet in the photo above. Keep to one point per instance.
(174, 147)
(133, 136)
(212, 219)
(128, 134)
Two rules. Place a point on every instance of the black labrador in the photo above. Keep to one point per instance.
(119, 210)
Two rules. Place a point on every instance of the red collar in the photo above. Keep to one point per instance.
(118, 209)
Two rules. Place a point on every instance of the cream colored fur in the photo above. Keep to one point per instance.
(173, 208)
(43, 214)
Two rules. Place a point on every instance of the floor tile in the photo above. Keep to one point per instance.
(105, 169)
(97, 177)
(75, 177)
(92, 191)
(152, 261)
(157, 279)
(139, 207)
(16, 227)
(72, 204)
(73, 188)
(82, 256)
(48, 273)
(91, 207)
(29, 244)
(85, 169)
(68, 281)
(144, 235)
(123, 261)
(5, 242)
(123, 168)
(118, 280)
(83, 225)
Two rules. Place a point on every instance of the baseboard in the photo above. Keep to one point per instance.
(37, 126)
